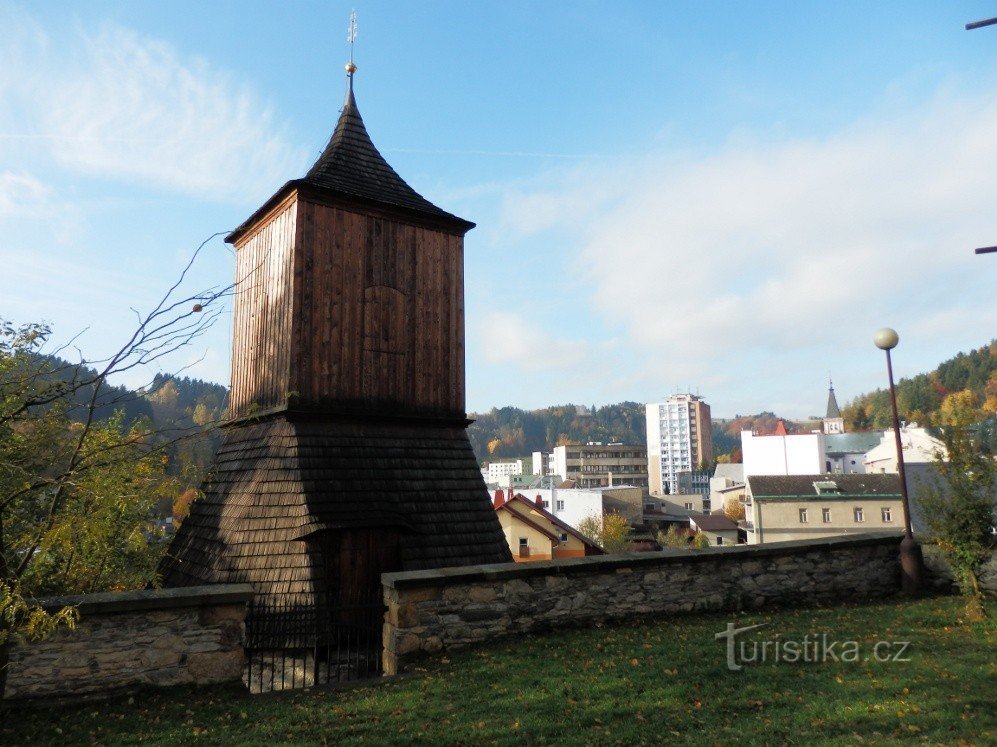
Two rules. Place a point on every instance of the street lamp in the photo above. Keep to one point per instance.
(911, 560)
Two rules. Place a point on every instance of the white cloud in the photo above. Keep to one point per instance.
(508, 338)
(119, 105)
(768, 249)
(22, 195)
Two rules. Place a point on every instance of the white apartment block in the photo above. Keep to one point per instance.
(497, 470)
(679, 439)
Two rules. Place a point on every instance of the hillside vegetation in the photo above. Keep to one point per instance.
(962, 389)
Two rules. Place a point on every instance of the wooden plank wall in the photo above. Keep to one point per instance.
(382, 319)
(261, 335)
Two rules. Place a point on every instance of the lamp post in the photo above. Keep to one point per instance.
(911, 560)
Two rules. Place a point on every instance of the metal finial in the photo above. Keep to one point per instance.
(351, 37)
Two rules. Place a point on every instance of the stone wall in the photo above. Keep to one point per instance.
(123, 639)
(437, 610)
(940, 578)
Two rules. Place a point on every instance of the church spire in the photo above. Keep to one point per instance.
(832, 402)
(833, 422)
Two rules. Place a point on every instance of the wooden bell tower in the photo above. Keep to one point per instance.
(346, 452)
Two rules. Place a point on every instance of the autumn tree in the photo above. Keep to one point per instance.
(960, 509)
(613, 532)
(75, 489)
(734, 510)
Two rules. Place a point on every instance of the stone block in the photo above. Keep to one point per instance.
(169, 641)
(406, 644)
(432, 644)
(219, 613)
(481, 594)
(158, 658)
(403, 615)
(427, 594)
(216, 666)
(516, 587)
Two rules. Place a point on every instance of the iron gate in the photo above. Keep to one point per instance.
(290, 646)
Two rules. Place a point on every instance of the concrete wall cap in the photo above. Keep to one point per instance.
(151, 599)
(603, 563)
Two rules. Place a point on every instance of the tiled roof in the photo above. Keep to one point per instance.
(714, 523)
(782, 486)
(524, 502)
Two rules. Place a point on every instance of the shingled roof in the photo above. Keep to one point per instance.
(350, 166)
(276, 483)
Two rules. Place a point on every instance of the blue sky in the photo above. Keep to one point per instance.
(723, 197)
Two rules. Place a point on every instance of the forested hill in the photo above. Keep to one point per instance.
(510, 432)
(170, 405)
(962, 389)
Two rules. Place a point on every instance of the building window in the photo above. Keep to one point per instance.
(887, 515)
(688, 507)
(720, 540)
(803, 516)
(523, 542)
(826, 515)
(560, 505)
(564, 537)
(859, 515)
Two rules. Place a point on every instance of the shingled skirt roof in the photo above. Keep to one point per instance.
(278, 482)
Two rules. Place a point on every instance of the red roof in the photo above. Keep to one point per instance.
(519, 498)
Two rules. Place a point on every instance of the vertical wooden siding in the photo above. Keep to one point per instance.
(261, 335)
(381, 324)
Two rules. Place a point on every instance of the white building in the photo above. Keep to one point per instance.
(919, 448)
(783, 454)
(496, 470)
(679, 439)
(573, 505)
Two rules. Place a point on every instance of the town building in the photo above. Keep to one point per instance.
(574, 505)
(679, 439)
(845, 452)
(497, 470)
(796, 507)
(726, 485)
(718, 529)
(533, 533)
(596, 465)
(921, 450)
(780, 453)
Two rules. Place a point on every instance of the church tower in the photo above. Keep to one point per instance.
(833, 422)
(345, 453)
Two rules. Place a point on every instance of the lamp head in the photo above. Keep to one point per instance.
(886, 338)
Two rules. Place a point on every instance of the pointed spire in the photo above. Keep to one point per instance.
(832, 403)
(350, 164)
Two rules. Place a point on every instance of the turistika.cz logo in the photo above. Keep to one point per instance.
(812, 648)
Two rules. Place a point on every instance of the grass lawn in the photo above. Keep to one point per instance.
(651, 683)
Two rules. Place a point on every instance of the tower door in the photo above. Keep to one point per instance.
(354, 562)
